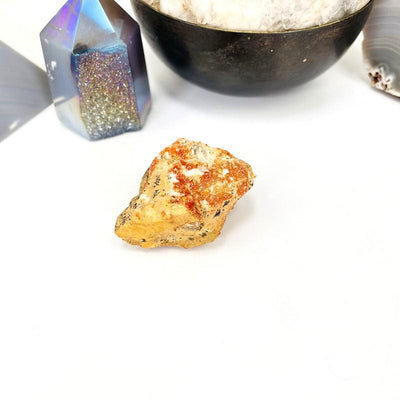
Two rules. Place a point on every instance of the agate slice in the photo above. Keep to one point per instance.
(381, 46)
(185, 196)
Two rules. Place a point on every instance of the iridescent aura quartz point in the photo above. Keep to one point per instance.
(96, 68)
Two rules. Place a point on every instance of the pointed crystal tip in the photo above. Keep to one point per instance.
(96, 68)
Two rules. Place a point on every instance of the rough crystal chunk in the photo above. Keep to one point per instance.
(96, 68)
(185, 196)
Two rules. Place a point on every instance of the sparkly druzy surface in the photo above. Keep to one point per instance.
(106, 91)
(96, 68)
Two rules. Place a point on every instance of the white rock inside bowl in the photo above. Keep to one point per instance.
(259, 15)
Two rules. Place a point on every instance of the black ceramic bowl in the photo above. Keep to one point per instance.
(247, 63)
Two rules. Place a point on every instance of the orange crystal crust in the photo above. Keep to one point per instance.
(185, 196)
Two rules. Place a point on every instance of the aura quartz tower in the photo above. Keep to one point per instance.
(96, 68)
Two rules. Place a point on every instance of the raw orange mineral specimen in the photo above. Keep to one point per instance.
(185, 196)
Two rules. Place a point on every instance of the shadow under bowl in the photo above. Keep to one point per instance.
(247, 63)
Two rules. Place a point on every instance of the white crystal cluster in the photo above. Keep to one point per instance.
(259, 15)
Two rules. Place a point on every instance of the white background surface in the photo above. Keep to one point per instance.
(297, 299)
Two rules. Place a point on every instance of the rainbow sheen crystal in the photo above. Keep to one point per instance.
(96, 68)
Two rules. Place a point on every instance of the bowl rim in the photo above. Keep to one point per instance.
(213, 28)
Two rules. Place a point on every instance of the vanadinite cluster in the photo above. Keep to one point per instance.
(185, 196)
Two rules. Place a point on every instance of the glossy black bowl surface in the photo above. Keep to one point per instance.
(247, 63)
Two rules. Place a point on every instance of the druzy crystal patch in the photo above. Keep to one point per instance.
(96, 68)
